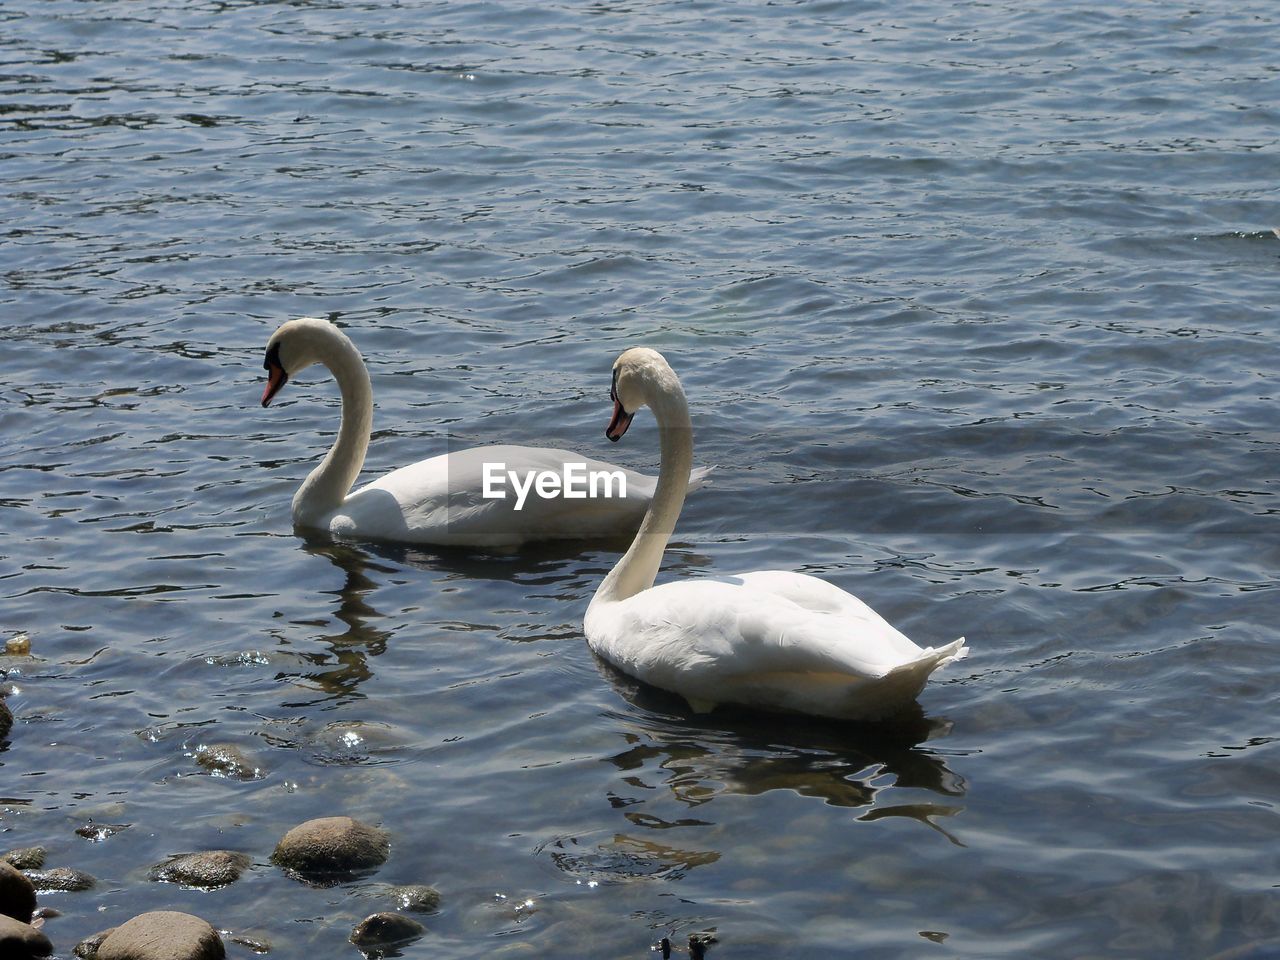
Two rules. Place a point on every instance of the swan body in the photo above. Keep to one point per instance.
(770, 639)
(441, 500)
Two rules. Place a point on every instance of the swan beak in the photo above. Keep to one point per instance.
(618, 425)
(276, 378)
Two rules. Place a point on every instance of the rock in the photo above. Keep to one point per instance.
(87, 949)
(26, 858)
(385, 929)
(6, 720)
(162, 935)
(210, 869)
(254, 944)
(97, 832)
(698, 944)
(224, 760)
(17, 895)
(62, 879)
(19, 645)
(417, 898)
(331, 845)
(19, 941)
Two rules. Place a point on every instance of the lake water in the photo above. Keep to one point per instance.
(975, 304)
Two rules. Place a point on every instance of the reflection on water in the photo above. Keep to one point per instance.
(341, 670)
(703, 756)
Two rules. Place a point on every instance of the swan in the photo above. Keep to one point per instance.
(442, 500)
(770, 639)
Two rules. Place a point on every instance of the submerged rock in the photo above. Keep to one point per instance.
(386, 929)
(417, 898)
(209, 869)
(21, 941)
(26, 858)
(162, 935)
(17, 895)
(225, 760)
(62, 879)
(87, 949)
(6, 719)
(97, 832)
(331, 845)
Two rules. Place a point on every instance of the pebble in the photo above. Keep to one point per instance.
(26, 858)
(209, 869)
(61, 879)
(20, 941)
(225, 760)
(162, 935)
(331, 845)
(17, 895)
(385, 929)
(18, 645)
(97, 832)
(417, 898)
(87, 949)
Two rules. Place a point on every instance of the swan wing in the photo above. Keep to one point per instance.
(452, 499)
(735, 640)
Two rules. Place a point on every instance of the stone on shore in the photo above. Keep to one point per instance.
(386, 929)
(61, 879)
(208, 869)
(26, 858)
(17, 895)
(225, 760)
(162, 935)
(87, 949)
(21, 941)
(417, 898)
(331, 845)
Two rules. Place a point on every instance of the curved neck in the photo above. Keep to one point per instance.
(638, 567)
(327, 486)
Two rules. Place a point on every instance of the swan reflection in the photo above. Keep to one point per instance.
(340, 671)
(701, 756)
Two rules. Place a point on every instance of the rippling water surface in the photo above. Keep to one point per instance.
(975, 305)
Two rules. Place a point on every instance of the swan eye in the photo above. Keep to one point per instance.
(273, 358)
(613, 387)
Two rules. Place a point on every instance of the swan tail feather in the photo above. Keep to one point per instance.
(930, 659)
(700, 477)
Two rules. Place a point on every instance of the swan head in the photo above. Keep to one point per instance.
(295, 346)
(640, 376)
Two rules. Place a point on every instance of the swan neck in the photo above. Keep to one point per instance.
(638, 568)
(329, 483)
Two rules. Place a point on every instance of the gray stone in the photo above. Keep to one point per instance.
(417, 898)
(26, 858)
(97, 832)
(17, 895)
(209, 869)
(20, 941)
(331, 845)
(162, 935)
(385, 929)
(87, 949)
(225, 760)
(61, 879)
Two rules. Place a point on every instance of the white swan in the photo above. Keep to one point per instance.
(441, 500)
(771, 639)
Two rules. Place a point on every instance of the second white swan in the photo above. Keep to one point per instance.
(441, 500)
(772, 639)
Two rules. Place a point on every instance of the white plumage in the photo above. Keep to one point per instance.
(770, 639)
(440, 500)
